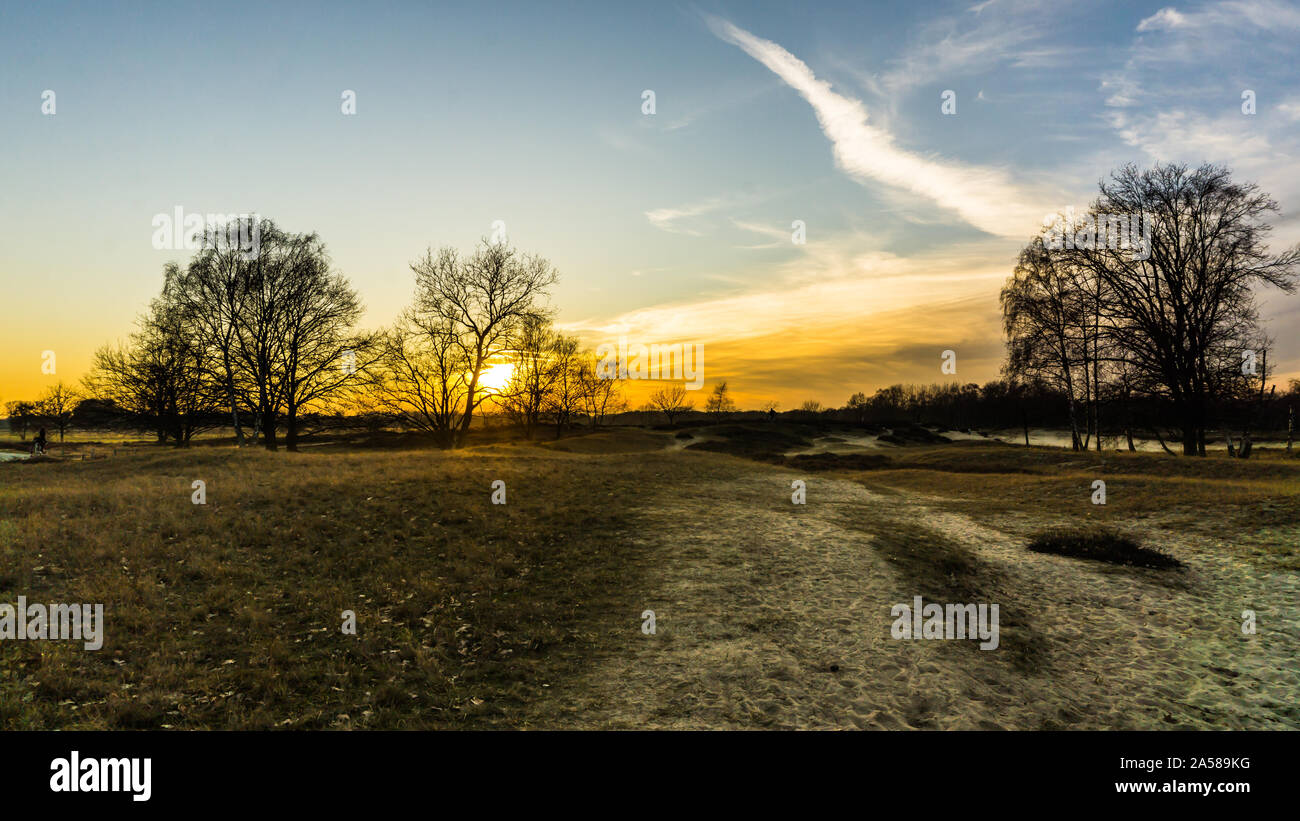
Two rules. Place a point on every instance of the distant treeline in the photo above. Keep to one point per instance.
(1110, 333)
(1006, 404)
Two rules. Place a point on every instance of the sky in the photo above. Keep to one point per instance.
(671, 226)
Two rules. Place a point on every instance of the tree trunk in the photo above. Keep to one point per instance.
(268, 430)
(291, 429)
(1161, 440)
(230, 397)
(234, 419)
(1074, 426)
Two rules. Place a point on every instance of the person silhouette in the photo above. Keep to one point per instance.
(38, 444)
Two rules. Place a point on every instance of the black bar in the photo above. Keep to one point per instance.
(1053, 771)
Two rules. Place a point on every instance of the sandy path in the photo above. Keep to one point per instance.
(776, 615)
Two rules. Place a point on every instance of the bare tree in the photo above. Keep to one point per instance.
(213, 292)
(533, 375)
(858, 407)
(600, 396)
(161, 379)
(320, 354)
(21, 415)
(269, 283)
(1043, 309)
(481, 300)
(565, 397)
(1181, 314)
(672, 401)
(56, 405)
(422, 376)
(719, 400)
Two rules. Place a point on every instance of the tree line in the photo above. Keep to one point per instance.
(1157, 333)
(53, 409)
(266, 341)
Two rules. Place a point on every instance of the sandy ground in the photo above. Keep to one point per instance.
(847, 443)
(771, 614)
(840, 443)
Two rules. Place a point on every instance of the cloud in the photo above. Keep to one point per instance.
(984, 197)
(667, 219)
(1240, 31)
(946, 47)
(1263, 14)
(781, 237)
(1187, 69)
(1166, 18)
(1186, 136)
(849, 284)
(826, 340)
(1124, 90)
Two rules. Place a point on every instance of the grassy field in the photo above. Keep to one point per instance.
(528, 614)
(228, 614)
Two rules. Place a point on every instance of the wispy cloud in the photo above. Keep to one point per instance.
(669, 219)
(862, 311)
(961, 45)
(780, 237)
(1179, 94)
(984, 197)
(1240, 14)
(1210, 31)
(1166, 18)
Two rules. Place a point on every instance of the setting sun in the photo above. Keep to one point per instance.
(496, 377)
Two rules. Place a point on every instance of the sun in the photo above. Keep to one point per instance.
(495, 377)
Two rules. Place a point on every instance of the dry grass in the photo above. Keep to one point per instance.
(472, 615)
(1249, 507)
(228, 615)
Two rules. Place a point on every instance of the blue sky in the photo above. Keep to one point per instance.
(667, 227)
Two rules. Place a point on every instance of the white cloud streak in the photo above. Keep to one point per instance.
(984, 197)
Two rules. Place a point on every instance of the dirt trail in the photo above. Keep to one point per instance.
(771, 614)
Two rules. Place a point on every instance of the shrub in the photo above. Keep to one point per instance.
(1101, 545)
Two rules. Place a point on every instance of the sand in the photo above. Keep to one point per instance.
(774, 615)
